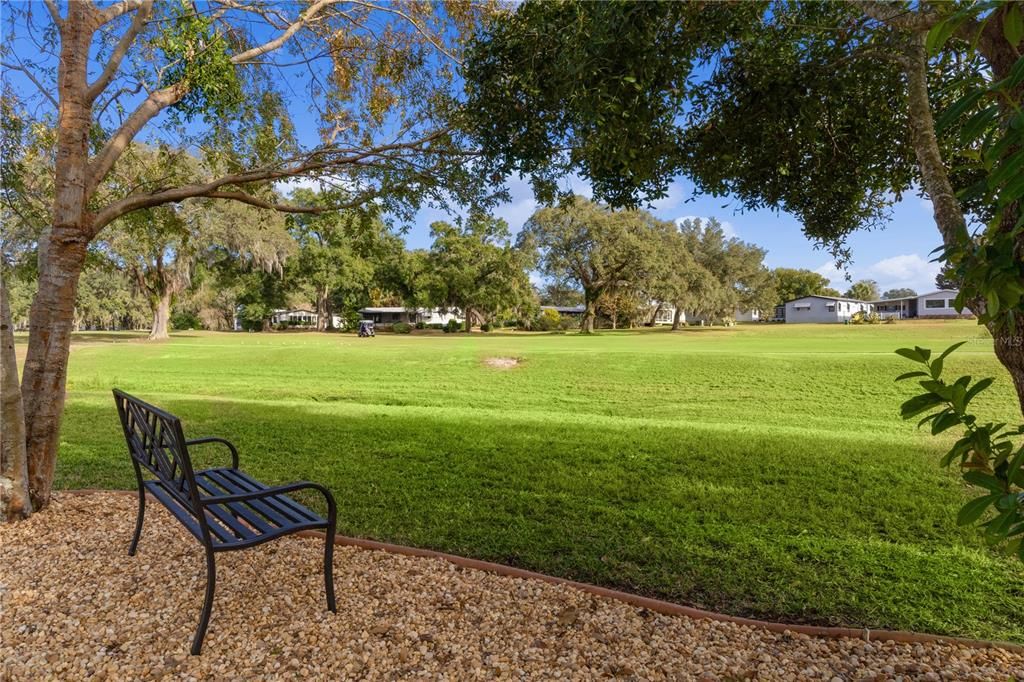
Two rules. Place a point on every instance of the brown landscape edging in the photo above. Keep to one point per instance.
(657, 605)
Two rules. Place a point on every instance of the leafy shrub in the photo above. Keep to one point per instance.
(568, 322)
(861, 317)
(548, 320)
(986, 454)
(401, 328)
(420, 324)
(452, 327)
(485, 327)
(186, 320)
(436, 325)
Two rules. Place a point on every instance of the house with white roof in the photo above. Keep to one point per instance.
(823, 309)
(395, 314)
(937, 304)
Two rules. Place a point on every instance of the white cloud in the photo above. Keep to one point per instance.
(896, 272)
(522, 205)
(835, 276)
(670, 200)
(909, 270)
(728, 228)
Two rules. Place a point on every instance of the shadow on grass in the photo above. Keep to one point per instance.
(788, 529)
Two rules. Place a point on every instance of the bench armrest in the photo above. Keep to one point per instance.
(215, 439)
(275, 490)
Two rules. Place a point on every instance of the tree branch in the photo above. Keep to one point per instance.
(115, 146)
(116, 10)
(311, 164)
(51, 6)
(39, 86)
(138, 23)
(261, 203)
(899, 16)
(270, 46)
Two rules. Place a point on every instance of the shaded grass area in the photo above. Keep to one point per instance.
(758, 471)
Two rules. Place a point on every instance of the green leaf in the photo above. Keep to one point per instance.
(958, 109)
(1013, 24)
(983, 480)
(945, 420)
(911, 375)
(977, 388)
(992, 303)
(911, 354)
(973, 510)
(938, 35)
(925, 352)
(919, 404)
(951, 349)
(936, 367)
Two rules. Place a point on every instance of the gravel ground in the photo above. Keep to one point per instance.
(73, 605)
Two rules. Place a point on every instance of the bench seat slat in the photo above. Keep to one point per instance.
(268, 506)
(238, 509)
(303, 513)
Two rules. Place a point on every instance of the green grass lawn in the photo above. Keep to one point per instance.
(760, 471)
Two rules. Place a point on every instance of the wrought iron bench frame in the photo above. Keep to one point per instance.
(223, 508)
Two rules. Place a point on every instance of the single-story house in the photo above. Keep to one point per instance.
(666, 314)
(935, 304)
(566, 310)
(394, 314)
(747, 315)
(825, 309)
(302, 318)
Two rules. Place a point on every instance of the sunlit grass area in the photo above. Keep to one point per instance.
(760, 470)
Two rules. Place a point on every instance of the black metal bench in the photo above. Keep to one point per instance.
(223, 508)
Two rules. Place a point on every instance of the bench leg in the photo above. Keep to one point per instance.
(204, 620)
(329, 566)
(138, 521)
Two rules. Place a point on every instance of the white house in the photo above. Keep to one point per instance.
(824, 309)
(748, 315)
(666, 314)
(428, 316)
(935, 304)
(302, 318)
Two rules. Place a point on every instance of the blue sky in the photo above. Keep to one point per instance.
(897, 256)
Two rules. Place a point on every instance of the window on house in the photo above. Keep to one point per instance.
(935, 303)
(831, 307)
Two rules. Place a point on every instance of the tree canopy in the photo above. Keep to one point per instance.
(899, 293)
(863, 290)
(791, 283)
(475, 268)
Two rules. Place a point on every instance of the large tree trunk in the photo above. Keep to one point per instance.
(590, 312)
(61, 257)
(677, 317)
(469, 319)
(321, 309)
(51, 320)
(160, 329)
(15, 503)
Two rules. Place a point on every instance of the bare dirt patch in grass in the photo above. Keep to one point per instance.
(503, 362)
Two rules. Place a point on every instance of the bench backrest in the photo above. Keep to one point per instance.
(157, 443)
